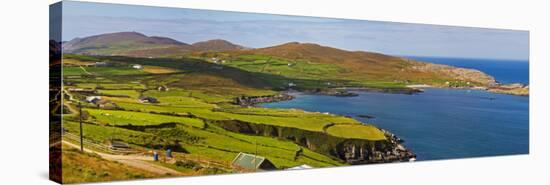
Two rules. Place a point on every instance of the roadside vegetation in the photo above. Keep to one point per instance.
(86, 167)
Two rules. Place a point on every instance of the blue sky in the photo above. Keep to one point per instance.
(81, 19)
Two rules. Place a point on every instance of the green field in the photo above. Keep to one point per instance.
(359, 132)
(192, 115)
(139, 119)
(101, 71)
(129, 93)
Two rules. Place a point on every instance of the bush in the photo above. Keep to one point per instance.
(211, 171)
(186, 164)
(105, 174)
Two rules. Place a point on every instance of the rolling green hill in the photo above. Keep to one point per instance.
(307, 65)
(305, 60)
(198, 117)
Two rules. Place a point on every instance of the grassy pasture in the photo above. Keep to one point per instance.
(205, 92)
(129, 93)
(115, 117)
(288, 68)
(102, 71)
(101, 133)
(216, 143)
(111, 85)
(68, 62)
(159, 70)
(368, 132)
(206, 113)
(279, 117)
(82, 58)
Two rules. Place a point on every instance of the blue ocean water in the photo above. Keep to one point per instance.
(439, 123)
(504, 71)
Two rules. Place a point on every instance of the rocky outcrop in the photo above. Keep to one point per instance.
(253, 100)
(512, 89)
(467, 76)
(404, 90)
(332, 92)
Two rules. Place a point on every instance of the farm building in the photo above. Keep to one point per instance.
(102, 64)
(249, 162)
(215, 60)
(93, 99)
(291, 84)
(163, 88)
(137, 66)
(301, 167)
(147, 99)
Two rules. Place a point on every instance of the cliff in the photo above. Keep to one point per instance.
(353, 151)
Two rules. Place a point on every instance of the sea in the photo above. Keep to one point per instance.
(504, 71)
(442, 123)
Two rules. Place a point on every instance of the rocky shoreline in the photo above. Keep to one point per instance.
(408, 90)
(512, 89)
(398, 151)
(253, 100)
(395, 151)
(338, 93)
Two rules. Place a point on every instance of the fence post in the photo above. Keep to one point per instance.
(80, 119)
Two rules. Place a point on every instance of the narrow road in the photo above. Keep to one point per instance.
(133, 161)
(85, 70)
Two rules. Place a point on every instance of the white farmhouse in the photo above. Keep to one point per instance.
(93, 99)
(137, 66)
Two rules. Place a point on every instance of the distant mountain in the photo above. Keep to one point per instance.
(216, 45)
(137, 44)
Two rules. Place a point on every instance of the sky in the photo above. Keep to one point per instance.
(82, 19)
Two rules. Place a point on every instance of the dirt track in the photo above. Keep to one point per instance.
(136, 161)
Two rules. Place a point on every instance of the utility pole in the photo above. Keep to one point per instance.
(255, 154)
(80, 120)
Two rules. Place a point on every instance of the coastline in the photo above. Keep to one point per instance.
(406, 90)
(515, 89)
(394, 150)
(394, 121)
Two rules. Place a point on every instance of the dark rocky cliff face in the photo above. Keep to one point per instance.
(352, 151)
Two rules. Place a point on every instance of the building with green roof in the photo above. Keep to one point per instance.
(250, 162)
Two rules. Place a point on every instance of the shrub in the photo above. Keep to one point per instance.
(211, 170)
(186, 164)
